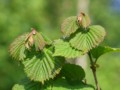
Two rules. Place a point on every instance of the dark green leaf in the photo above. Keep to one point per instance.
(41, 66)
(100, 50)
(69, 26)
(73, 73)
(62, 84)
(26, 84)
(86, 39)
(63, 48)
(17, 48)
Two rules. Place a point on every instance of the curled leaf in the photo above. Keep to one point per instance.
(69, 26)
(83, 20)
(17, 48)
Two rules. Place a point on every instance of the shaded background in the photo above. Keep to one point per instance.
(18, 16)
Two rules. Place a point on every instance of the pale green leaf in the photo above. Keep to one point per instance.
(42, 66)
(73, 73)
(101, 50)
(83, 20)
(17, 48)
(39, 41)
(63, 48)
(69, 25)
(86, 39)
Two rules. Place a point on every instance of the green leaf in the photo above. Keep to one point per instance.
(63, 48)
(17, 48)
(83, 20)
(100, 50)
(41, 66)
(62, 84)
(86, 39)
(47, 40)
(26, 84)
(73, 73)
(39, 41)
(69, 25)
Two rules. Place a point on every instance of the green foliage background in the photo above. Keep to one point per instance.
(18, 16)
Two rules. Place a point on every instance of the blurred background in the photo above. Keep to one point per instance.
(19, 16)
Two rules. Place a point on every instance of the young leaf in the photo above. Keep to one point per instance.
(17, 48)
(26, 84)
(73, 73)
(85, 40)
(63, 48)
(100, 50)
(47, 40)
(69, 26)
(39, 41)
(83, 20)
(42, 66)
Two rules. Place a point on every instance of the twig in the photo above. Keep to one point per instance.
(93, 67)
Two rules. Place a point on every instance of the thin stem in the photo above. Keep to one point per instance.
(93, 67)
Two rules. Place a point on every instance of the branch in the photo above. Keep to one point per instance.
(93, 67)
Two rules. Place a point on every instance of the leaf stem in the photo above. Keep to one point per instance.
(93, 67)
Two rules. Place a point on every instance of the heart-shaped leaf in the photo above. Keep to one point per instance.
(17, 48)
(63, 48)
(86, 39)
(69, 25)
(100, 50)
(42, 66)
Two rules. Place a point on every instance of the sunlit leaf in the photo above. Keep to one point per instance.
(86, 39)
(63, 48)
(17, 48)
(42, 66)
(83, 20)
(73, 73)
(69, 25)
(47, 40)
(100, 50)
(39, 41)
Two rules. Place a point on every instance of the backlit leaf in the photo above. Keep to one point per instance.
(83, 20)
(69, 25)
(39, 41)
(42, 66)
(63, 48)
(17, 48)
(86, 39)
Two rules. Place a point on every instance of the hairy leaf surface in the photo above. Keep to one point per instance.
(63, 48)
(17, 48)
(42, 66)
(69, 25)
(86, 39)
